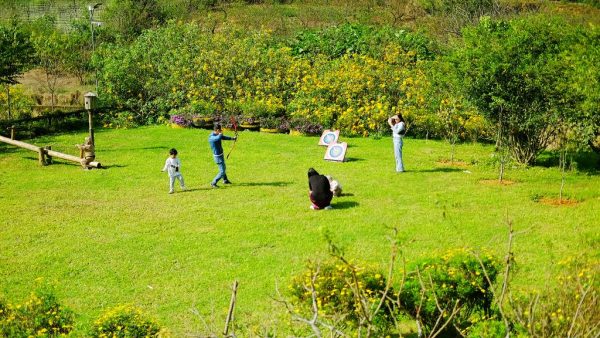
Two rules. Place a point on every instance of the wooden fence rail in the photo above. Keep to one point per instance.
(45, 152)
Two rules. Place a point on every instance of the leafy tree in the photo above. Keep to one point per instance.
(51, 48)
(16, 53)
(128, 18)
(455, 118)
(584, 84)
(79, 50)
(515, 72)
(16, 56)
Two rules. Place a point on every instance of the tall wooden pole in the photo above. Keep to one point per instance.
(91, 126)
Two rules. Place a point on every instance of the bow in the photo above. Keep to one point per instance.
(236, 136)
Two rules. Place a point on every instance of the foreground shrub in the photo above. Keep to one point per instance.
(454, 283)
(340, 291)
(570, 310)
(40, 315)
(125, 321)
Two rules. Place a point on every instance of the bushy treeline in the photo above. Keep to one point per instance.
(521, 79)
(524, 82)
(183, 69)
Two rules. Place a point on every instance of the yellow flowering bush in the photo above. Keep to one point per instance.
(120, 119)
(456, 276)
(569, 310)
(20, 103)
(40, 315)
(336, 293)
(251, 75)
(125, 321)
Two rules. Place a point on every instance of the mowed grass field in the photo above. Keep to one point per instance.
(113, 236)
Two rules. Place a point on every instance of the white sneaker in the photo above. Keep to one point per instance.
(329, 207)
(171, 191)
(183, 188)
(312, 207)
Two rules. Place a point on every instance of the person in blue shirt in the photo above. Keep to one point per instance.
(214, 140)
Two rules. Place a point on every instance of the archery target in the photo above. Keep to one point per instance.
(329, 137)
(336, 152)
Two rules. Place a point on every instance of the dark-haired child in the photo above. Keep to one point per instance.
(319, 190)
(173, 167)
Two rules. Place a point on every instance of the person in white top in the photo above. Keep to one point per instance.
(398, 126)
(173, 167)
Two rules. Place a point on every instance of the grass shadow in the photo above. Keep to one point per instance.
(140, 148)
(585, 161)
(194, 189)
(436, 170)
(344, 205)
(8, 149)
(353, 159)
(113, 166)
(257, 184)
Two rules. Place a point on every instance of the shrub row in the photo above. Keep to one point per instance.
(353, 86)
(456, 294)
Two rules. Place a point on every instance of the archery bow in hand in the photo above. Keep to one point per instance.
(236, 136)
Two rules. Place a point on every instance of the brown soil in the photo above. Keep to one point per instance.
(557, 202)
(496, 182)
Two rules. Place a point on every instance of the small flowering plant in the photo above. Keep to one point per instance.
(41, 315)
(124, 321)
(305, 126)
(180, 120)
(274, 122)
(332, 283)
(456, 276)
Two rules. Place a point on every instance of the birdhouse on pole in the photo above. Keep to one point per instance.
(90, 100)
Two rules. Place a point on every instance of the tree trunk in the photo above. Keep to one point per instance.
(562, 164)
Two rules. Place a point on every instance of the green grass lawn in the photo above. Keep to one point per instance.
(113, 236)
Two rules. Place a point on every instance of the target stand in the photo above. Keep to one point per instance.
(329, 137)
(336, 152)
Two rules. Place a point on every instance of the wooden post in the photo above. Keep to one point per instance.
(91, 126)
(41, 156)
(48, 157)
(12, 132)
(231, 307)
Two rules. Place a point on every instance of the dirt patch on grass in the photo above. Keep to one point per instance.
(496, 182)
(558, 202)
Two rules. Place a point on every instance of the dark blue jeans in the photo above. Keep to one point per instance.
(220, 161)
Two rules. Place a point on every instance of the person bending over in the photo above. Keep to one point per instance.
(319, 190)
